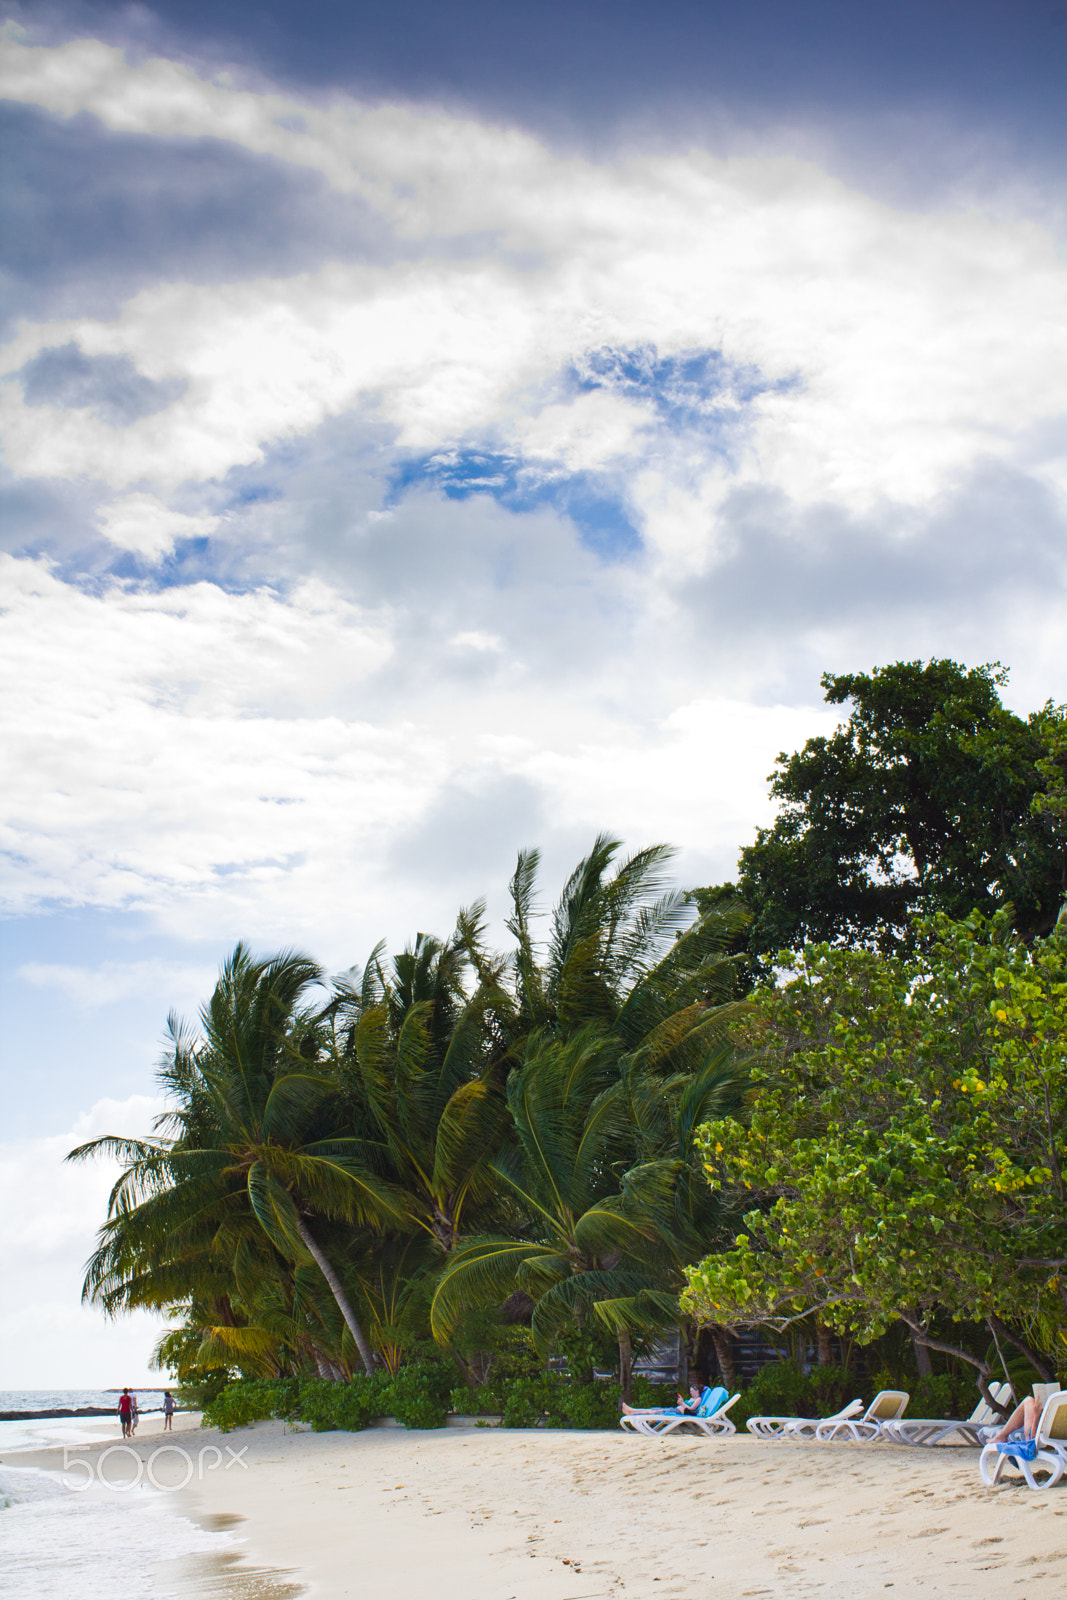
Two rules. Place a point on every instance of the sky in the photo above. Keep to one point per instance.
(430, 430)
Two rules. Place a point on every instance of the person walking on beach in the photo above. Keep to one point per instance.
(168, 1411)
(135, 1415)
(125, 1412)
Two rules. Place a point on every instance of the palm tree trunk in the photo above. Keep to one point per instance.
(683, 1357)
(338, 1293)
(626, 1363)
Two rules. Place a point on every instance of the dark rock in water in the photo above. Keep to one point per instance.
(65, 1411)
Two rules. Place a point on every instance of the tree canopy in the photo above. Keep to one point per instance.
(350, 1170)
(905, 1155)
(929, 798)
(448, 1127)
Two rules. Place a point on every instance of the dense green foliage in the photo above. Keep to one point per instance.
(421, 1394)
(341, 1181)
(930, 798)
(418, 1396)
(905, 1154)
(402, 1191)
(784, 1389)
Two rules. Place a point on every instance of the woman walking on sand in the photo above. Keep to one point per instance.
(168, 1411)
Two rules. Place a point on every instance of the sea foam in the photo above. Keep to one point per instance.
(57, 1543)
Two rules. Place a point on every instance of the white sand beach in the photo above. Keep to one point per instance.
(514, 1515)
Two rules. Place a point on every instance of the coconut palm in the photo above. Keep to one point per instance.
(256, 1137)
(416, 1055)
(621, 951)
(609, 1234)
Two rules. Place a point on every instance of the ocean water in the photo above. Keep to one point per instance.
(60, 1544)
(36, 1433)
(38, 1400)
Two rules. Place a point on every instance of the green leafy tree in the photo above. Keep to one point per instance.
(905, 1155)
(927, 799)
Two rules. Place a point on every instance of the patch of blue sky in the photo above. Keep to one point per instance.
(695, 390)
(591, 501)
(255, 494)
(190, 561)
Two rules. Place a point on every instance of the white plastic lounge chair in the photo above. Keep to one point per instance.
(714, 1426)
(714, 1423)
(930, 1431)
(1049, 1461)
(885, 1407)
(798, 1427)
(710, 1401)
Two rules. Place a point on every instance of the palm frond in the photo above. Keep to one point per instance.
(481, 1272)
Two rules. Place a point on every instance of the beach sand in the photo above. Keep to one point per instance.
(471, 1513)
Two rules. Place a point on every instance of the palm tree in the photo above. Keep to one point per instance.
(621, 951)
(256, 1138)
(620, 1031)
(417, 1059)
(609, 1235)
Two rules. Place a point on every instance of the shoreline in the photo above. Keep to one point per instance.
(553, 1515)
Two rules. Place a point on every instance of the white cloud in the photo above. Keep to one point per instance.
(474, 639)
(209, 754)
(921, 342)
(54, 1209)
(141, 524)
(178, 758)
(194, 773)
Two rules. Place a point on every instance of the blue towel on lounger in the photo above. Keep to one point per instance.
(1022, 1449)
(711, 1400)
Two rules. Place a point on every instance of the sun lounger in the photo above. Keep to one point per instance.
(710, 1401)
(715, 1426)
(930, 1431)
(711, 1421)
(1049, 1460)
(798, 1427)
(885, 1407)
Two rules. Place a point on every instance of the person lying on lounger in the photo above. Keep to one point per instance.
(1021, 1425)
(698, 1392)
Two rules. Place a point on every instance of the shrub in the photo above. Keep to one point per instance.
(646, 1395)
(944, 1394)
(348, 1406)
(200, 1387)
(420, 1394)
(782, 1389)
(250, 1401)
(589, 1405)
(553, 1399)
(526, 1400)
